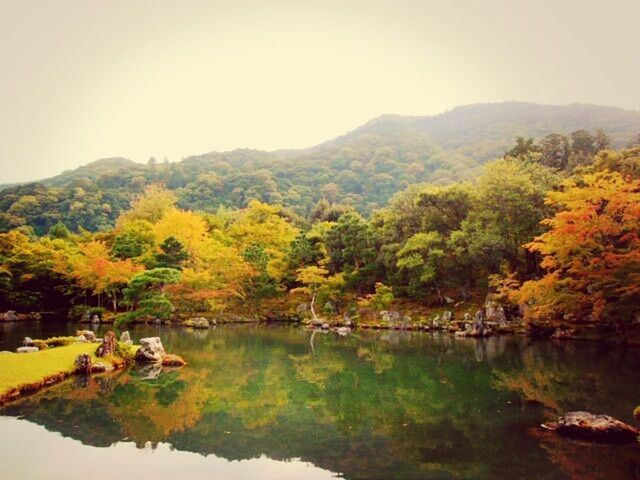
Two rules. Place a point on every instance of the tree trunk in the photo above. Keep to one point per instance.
(311, 305)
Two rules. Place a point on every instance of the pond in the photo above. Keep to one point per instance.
(272, 402)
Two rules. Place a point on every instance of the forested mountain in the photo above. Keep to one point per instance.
(363, 168)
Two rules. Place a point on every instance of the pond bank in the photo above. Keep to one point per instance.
(46, 362)
(25, 373)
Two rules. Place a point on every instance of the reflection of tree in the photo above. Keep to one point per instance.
(590, 461)
(149, 411)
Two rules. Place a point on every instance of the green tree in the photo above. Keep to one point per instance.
(145, 293)
(172, 255)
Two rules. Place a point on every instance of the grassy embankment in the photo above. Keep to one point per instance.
(23, 373)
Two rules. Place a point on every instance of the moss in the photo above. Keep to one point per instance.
(25, 372)
(41, 344)
(60, 341)
(126, 351)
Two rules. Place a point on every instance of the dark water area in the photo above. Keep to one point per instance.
(272, 402)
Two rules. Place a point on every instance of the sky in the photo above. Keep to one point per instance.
(87, 79)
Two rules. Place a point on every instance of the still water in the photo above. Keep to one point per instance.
(259, 402)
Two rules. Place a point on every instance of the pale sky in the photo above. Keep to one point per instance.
(87, 79)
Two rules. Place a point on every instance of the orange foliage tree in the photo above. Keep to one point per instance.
(591, 252)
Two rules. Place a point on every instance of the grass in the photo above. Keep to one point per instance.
(19, 370)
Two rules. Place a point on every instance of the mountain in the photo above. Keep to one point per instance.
(95, 169)
(363, 168)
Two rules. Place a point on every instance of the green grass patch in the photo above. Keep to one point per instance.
(18, 369)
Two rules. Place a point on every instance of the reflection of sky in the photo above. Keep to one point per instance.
(23, 442)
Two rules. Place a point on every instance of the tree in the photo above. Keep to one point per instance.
(172, 254)
(151, 206)
(263, 226)
(59, 230)
(350, 250)
(509, 205)
(525, 148)
(555, 151)
(146, 293)
(421, 257)
(91, 268)
(318, 285)
(591, 252)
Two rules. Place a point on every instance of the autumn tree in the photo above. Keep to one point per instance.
(591, 252)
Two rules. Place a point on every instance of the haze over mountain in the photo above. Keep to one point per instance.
(362, 168)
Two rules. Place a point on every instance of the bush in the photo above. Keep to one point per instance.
(78, 312)
(125, 351)
(59, 341)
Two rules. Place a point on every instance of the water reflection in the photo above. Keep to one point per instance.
(369, 405)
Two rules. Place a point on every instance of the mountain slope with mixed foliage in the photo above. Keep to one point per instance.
(362, 169)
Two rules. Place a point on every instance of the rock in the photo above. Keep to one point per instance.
(447, 316)
(108, 345)
(10, 316)
(98, 367)
(461, 333)
(389, 316)
(151, 350)
(587, 426)
(198, 322)
(478, 329)
(325, 326)
(83, 364)
(494, 312)
(27, 349)
(172, 360)
(27, 342)
(81, 339)
(95, 319)
(347, 320)
(126, 338)
(344, 331)
(88, 334)
(563, 333)
(316, 322)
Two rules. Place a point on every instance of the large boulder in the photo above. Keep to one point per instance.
(108, 345)
(83, 364)
(89, 335)
(389, 316)
(151, 350)
(198, 322)
(172, 360)
(587, 426)
(126, 338)
(10, 316)
(494, 312)
(27, 349)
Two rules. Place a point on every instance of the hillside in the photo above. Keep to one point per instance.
(363, 168)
